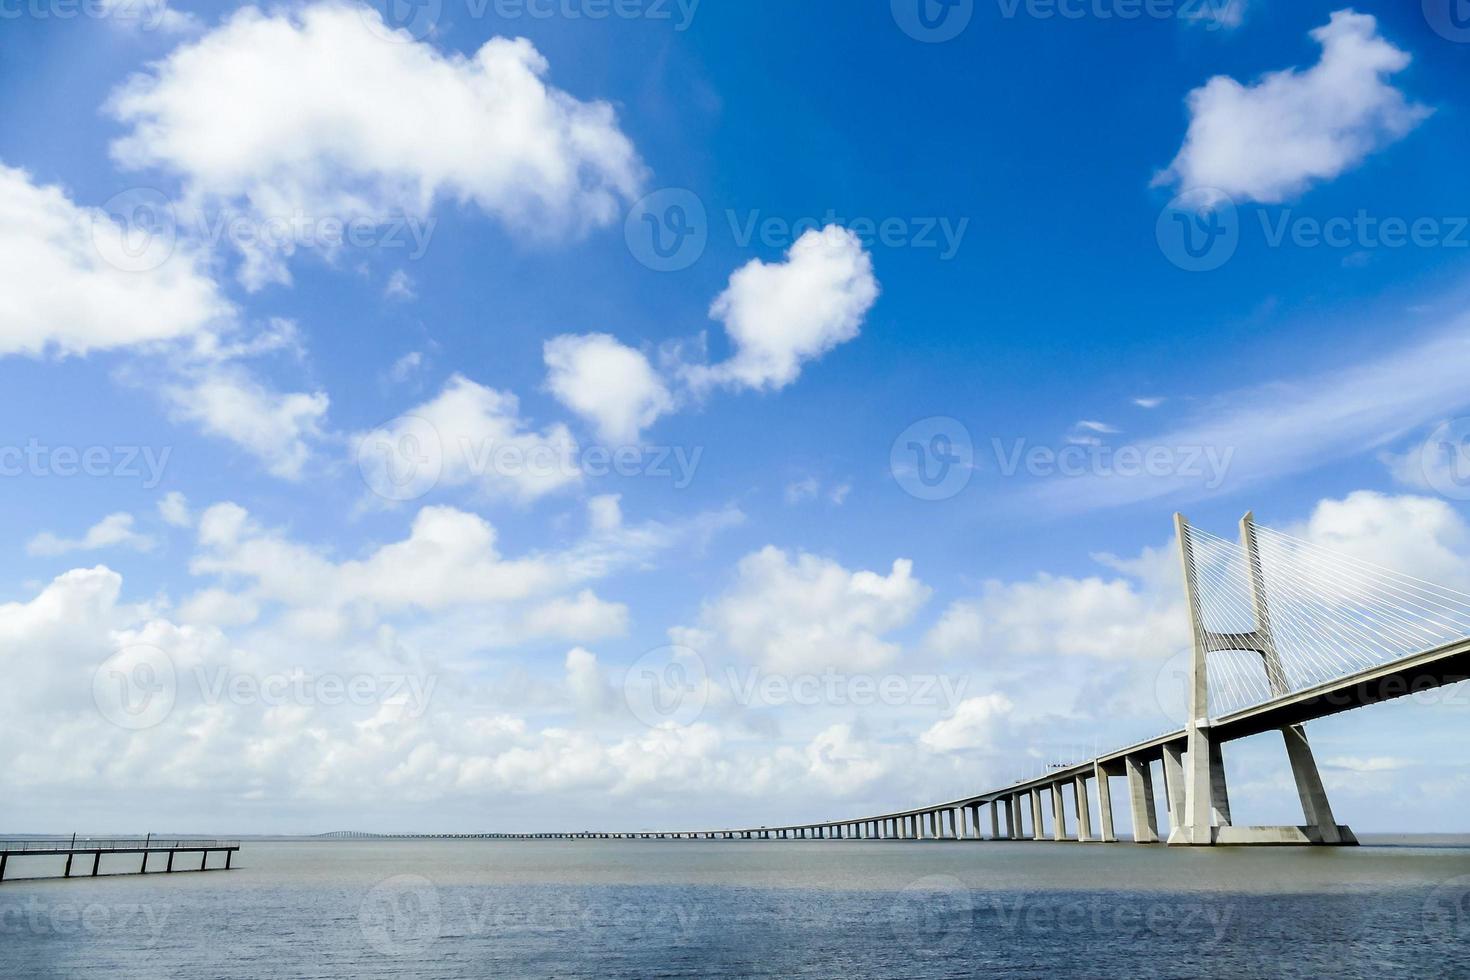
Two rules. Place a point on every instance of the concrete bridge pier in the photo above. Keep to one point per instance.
(1084, 815)
(1105, 804)
(1141, 800)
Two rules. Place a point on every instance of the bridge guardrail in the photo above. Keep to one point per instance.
(21, 844)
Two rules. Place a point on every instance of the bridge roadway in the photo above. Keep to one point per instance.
(960, 819)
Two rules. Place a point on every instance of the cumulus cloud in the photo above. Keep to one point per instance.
(973, 726)
(1420, 536)
(450, 565)
(778, 316)
(1294, 128)
(228, 401)
(1061, 616)
(560, 742)
(586, 682)
(174, 509)
(607, 383)
(306, 115)
(476, 437)
(74, 280)
(113, 531)
(149, 15)
(806, 613)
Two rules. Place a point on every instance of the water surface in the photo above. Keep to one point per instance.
(637, 909)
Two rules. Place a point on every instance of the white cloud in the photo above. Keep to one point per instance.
(561, 743)
(1420, 536)
(612, 386)
(586, 682)
(219, 607)
(960, 631)
(973, 726)
(1273, 140)
(483, 442)
(1215, 14)
(227, 401)
(73, 281)
(449, 564)
(1060, 616)
(584, 616)
(400, 286)
(779, 316)
(810, 613)
(174, 509)
(1253, 435)
(406, 367)
(1148, 402)
(803, 490)
(1371, 764)
(113, 531)
(149, 15)
(311, 114)
(811, 488)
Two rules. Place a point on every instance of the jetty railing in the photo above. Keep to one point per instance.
(94, 847)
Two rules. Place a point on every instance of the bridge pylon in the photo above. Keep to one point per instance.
(1205, 804)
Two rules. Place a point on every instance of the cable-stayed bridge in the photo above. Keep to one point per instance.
(1284, 631)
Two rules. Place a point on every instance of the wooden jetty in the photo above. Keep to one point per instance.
(94, 847)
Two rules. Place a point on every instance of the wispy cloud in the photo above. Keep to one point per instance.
(1289, 426)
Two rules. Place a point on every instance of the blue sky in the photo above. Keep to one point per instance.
(1024, 289)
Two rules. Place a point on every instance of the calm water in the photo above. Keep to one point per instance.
(610, 909)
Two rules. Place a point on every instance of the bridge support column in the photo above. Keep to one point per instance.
(1059, 813)
(1315, 808)
(995, 820)
(1141, 800)
(1105, 805)
(1084, 810)
(1174, 790)
(1038, 828)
